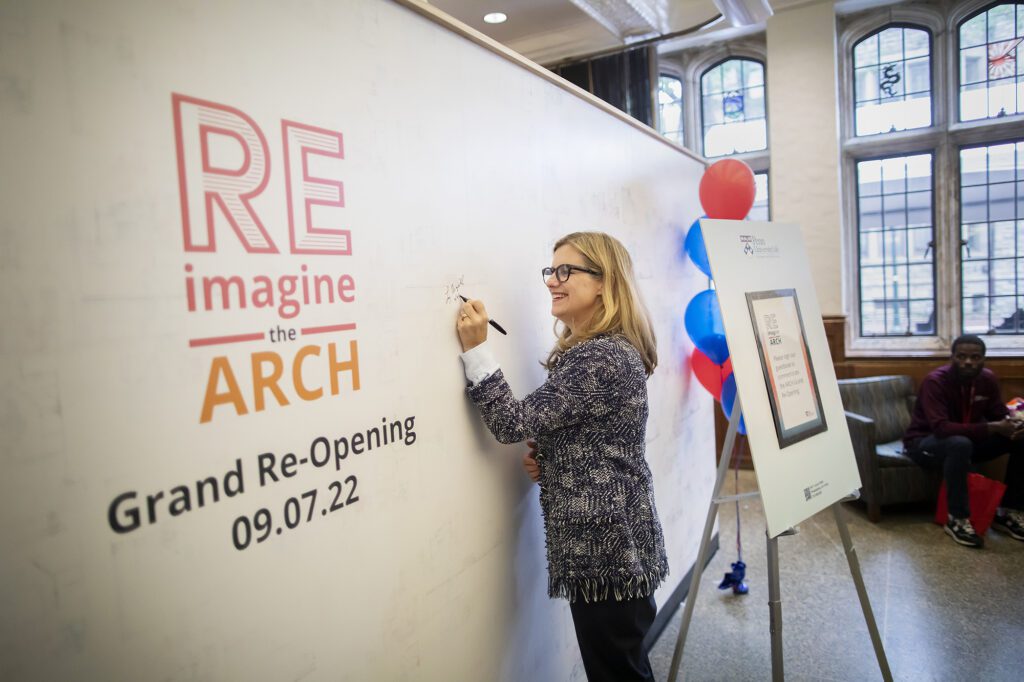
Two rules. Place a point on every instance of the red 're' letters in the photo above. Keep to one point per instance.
(311, 191)
(209, 137)
(224, 163)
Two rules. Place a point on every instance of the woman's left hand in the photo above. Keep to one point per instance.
(530, 464)
(472, 324)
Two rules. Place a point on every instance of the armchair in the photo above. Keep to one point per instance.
(878, 413)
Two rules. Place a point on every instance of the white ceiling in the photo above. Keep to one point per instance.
(549, 31)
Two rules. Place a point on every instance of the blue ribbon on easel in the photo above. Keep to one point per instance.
(735, 577)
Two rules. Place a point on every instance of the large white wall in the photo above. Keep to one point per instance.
(458, 165)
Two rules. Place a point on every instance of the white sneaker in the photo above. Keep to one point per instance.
(963, 533)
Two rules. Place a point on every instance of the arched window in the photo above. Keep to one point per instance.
(991, 64)
(670, 107)
(935, 208)
(892, 81)
(733, 108)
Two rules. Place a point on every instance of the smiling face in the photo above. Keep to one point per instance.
(575, 300)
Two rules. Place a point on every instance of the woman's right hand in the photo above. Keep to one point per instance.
(472, 324)
(530, 463)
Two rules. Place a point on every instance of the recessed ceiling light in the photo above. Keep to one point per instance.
(495, 18)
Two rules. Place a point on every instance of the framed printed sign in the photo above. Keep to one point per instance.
(786, 365)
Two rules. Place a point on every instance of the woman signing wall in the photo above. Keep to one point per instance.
(605, 549)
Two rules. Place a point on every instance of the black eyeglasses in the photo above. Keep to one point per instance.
(563, 271)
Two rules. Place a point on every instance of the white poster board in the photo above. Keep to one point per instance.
(236, 441)
(784, 375)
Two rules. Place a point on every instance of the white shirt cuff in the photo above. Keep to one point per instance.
(479, 363)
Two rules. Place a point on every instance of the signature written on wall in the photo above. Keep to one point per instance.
(451, 291)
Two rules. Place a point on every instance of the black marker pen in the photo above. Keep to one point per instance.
(490, 322)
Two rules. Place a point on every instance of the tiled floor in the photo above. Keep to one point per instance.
(945, 612)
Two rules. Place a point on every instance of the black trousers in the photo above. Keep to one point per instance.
(611, 638)
(955, 455)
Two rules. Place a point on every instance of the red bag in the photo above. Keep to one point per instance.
(983, 494)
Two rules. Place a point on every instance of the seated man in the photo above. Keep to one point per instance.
(960, 419)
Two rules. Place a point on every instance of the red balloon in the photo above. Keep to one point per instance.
(708, 373)
(727, 190)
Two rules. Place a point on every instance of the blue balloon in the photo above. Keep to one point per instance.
(729, 401)
(695, 249)
(703, 322)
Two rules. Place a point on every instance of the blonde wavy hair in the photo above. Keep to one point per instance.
(620, 310)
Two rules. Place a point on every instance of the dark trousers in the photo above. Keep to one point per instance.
(611, 638)
(956, 454)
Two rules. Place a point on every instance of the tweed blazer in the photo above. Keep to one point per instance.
(589, 418)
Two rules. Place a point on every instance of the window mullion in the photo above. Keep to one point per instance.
(945, 64)
(694, 124)
(965, 134)
(904, 142)
(851, 285)
(947, 242)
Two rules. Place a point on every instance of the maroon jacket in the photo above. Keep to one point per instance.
(948, 407)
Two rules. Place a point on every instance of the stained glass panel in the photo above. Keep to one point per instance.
(991, 64)
(732, 103)
(892, 81)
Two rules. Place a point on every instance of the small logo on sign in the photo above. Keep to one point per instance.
(758, 247)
